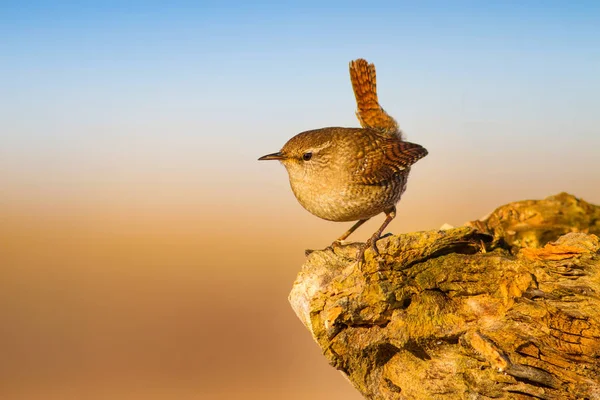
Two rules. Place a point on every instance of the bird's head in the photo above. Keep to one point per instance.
(306, 155)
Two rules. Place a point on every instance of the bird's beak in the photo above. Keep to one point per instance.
(273, 156)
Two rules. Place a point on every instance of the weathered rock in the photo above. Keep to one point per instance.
(507, 307)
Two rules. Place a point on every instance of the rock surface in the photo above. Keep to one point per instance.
(507, 307)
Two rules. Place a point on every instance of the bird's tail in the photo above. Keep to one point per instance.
(369, 112)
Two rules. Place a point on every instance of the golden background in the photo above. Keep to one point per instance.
(151, 297)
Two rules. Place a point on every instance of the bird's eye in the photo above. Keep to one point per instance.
(306, 156)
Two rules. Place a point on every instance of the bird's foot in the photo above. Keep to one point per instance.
(371, 243)
(338, 243)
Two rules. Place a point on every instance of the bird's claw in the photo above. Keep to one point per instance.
(371, 243)
(337, 243)
(360, 255)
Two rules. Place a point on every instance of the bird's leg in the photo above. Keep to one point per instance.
(390, 215)
(349, 231)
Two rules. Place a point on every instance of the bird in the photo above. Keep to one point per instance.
(352, 174)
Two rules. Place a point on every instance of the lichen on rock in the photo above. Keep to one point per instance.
(506, 307)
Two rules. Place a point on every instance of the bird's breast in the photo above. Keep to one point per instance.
(343, 200)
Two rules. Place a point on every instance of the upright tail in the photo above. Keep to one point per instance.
(369, 112)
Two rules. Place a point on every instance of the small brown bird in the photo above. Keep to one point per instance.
(352, 174)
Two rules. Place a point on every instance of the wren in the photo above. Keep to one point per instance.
(352, 174)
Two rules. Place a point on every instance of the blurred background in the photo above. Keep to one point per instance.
(146, 254)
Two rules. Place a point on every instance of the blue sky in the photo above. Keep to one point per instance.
(120, 88)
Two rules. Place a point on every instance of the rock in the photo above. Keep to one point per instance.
(507, 307)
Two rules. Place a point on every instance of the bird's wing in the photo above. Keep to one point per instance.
(387, 158)
(369, 112)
